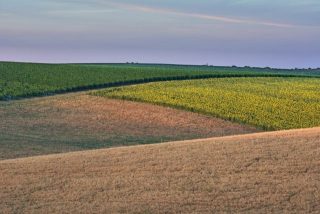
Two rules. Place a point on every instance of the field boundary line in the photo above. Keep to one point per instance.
(266, 134)
(146, 80)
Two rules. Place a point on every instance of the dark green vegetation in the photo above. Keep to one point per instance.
(19, 80)
(271, 103)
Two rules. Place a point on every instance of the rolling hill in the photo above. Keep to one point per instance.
(21, 80)
(74, 122)
(253, 173)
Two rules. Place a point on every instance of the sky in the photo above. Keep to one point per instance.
(274, 33)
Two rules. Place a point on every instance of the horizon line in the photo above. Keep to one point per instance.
(154, 63)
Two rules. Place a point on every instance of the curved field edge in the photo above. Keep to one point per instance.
(260, 173)
(76, 122)
(270, 103)
(23, 80)
(39, 91)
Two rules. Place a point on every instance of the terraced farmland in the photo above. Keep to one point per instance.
(268, 103)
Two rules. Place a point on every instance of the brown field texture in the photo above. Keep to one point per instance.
(275, 172)
(76, 122)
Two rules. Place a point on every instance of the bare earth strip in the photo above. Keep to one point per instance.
(257, 173)
(76, 122)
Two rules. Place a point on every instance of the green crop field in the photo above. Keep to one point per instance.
(271, 103)
(29, 79)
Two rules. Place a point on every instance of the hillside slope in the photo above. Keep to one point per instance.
(22, 80)
(263, 172)
(75, 122)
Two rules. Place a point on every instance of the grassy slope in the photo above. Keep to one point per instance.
(258, 173)
(269, 103)
(76, 122)
(30, 79)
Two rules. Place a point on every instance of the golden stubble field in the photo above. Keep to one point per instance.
(77, 121)
(256, 173)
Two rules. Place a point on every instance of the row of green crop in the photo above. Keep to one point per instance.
(30, 79)
(268, 103)
(16, 90)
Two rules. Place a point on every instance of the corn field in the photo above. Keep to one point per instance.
(19, 80)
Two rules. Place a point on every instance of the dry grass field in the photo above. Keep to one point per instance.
(256, 173)
(76, 122)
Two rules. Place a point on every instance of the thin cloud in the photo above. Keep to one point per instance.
(82, 11)
(199, 15)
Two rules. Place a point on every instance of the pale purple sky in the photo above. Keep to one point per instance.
(276, 33)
